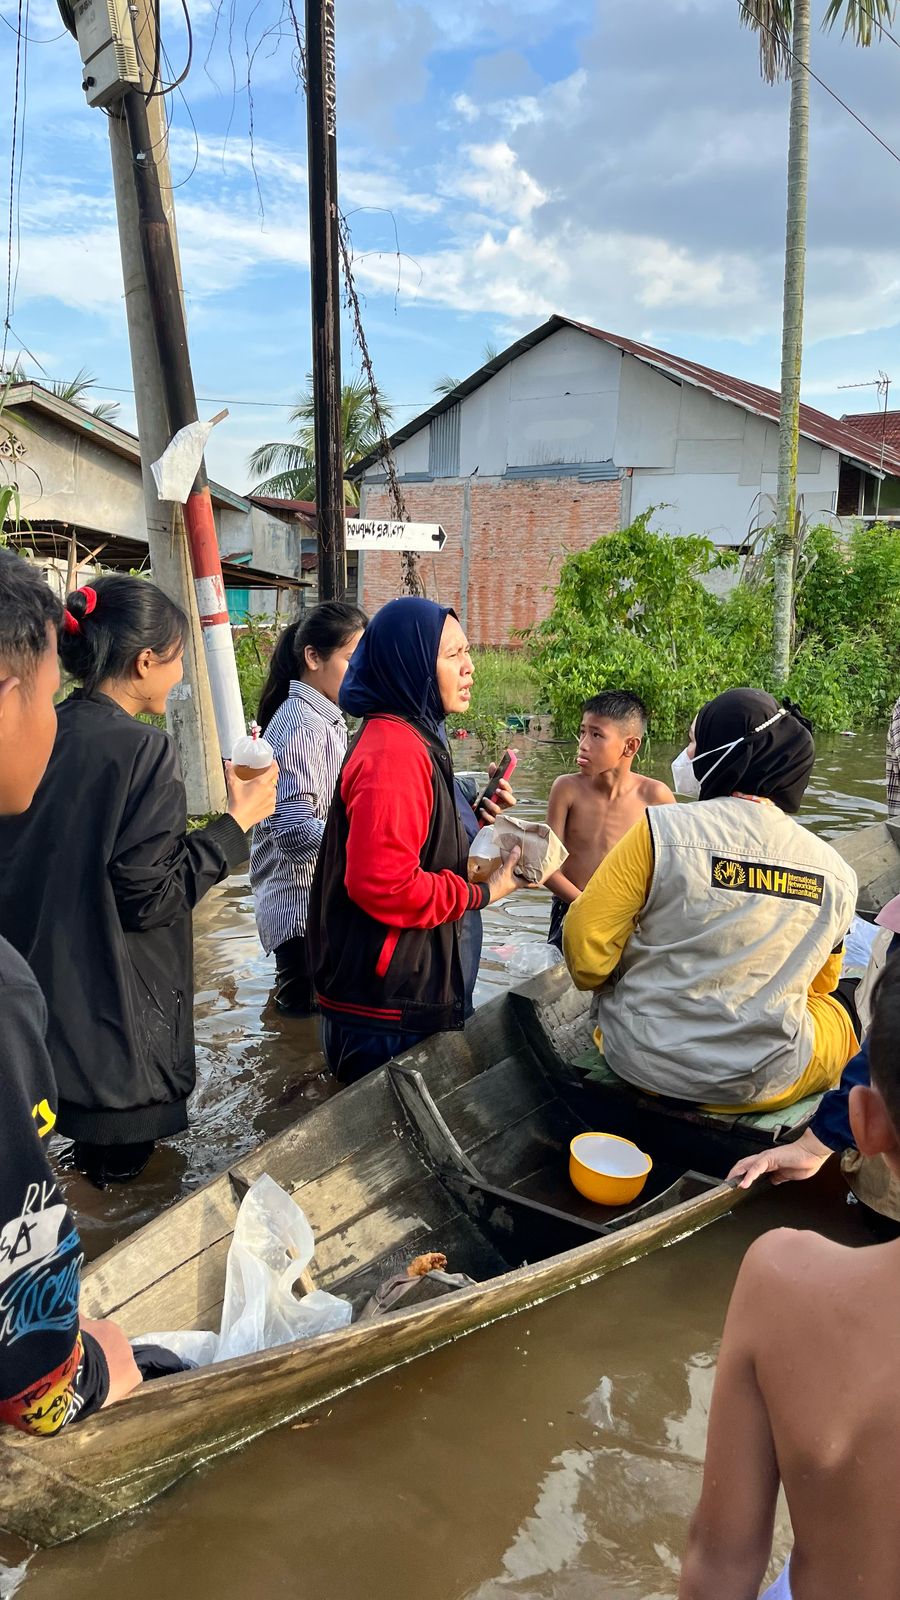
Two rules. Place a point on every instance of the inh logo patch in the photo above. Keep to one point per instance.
(764, 877)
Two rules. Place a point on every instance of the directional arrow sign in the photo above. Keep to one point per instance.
(363, 534)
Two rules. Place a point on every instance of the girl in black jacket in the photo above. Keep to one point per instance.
(98, 881)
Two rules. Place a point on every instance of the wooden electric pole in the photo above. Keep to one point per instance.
(324, 268)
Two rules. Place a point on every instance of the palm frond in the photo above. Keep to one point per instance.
(863, 20)
(288, 485)
(294, 460)
(771, 21)
(281, 456)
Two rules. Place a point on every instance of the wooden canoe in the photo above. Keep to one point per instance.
(460, 1146)
(874, 855)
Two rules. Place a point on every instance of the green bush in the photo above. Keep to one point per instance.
(504, 687)
(253, 646)
(633, 612)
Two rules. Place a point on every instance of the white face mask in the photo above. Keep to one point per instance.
(684, 779)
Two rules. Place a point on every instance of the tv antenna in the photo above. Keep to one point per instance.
(883, 385)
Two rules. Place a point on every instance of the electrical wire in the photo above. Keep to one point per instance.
(51, 38)
(782, 41)
(170, 188)
(177, 82)
(12, 189)
(157, 40)
(881, 26)
(22, 125)
(212, 399)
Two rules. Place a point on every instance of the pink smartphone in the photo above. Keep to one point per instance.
(506, 765)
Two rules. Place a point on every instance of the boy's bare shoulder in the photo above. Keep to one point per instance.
(785, 1269)
(566, 787)
(654, 793)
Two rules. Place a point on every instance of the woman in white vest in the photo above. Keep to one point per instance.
(713, 932)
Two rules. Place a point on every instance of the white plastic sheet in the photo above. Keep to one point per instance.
(272, 1245)
(177, 467)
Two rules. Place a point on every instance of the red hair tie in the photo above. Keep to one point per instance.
(70, 622)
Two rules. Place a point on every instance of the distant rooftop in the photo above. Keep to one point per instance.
(849, 440)
(876, 425)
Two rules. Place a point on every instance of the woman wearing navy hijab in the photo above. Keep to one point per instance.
(390, 891)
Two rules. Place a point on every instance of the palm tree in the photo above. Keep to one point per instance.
(71, 389)
(289, 468)
(75, 390)
(783, 27)
(446, 384)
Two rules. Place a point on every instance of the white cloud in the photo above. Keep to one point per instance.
(496, 181)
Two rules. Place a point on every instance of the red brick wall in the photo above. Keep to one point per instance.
(520, 530)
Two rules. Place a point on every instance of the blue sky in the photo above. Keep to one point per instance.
(620, 162)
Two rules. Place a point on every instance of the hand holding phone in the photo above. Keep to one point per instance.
(505, 767)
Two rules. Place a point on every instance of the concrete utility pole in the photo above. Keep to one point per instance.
(324, 270)
(117, 39)
(170, 333)
(190, 716)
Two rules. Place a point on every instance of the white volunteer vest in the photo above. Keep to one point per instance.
(745, 906)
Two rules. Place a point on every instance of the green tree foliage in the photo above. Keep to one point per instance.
(288, 468)
(634, 612)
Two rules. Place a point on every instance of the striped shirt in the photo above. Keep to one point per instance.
(892, 771)
(309, 737)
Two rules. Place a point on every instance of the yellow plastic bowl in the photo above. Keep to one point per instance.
(608, 1170)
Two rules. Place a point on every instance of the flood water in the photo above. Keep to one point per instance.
(554, 1456)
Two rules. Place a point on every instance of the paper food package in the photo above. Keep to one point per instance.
(542, 852)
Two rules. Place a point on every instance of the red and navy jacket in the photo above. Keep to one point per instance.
(390, 886)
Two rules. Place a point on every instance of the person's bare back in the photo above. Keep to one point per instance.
(808, 1392)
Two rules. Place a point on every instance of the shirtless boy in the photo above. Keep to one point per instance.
(807, 1393)
(592, 809)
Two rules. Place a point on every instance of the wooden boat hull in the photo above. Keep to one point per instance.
(121, 1458)
(874, 855)
(460, 1146)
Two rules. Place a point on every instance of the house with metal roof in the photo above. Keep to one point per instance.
(81, 505)
(572, 432)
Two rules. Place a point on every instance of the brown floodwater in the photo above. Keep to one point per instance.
(553, 1456)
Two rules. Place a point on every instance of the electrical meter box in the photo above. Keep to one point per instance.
(105, 35)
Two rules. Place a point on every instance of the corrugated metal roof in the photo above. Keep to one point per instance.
(815, 425)
(108, 434)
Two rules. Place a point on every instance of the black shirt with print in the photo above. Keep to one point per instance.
(51, 1371)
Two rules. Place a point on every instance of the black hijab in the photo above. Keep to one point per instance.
(394, 667)
(774, 758)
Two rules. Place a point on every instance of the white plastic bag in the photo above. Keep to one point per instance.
(271, 1246)
(529, 959)
(484, 856)
(858, 948)
(177, 467)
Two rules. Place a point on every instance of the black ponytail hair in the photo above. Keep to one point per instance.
(110, 621)
(324, 629)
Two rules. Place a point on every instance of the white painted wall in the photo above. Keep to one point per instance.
(575, 399)
(555, 403)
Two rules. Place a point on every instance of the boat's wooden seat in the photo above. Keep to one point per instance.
(597, 1069)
